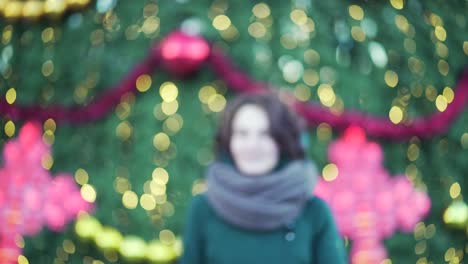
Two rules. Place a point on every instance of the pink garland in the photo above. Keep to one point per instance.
(182, 54)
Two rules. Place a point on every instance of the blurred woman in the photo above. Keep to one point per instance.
(259, 207)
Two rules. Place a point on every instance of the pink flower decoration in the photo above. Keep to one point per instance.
(29, 196)
(367, 203)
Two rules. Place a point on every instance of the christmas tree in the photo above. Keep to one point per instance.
(131, 115)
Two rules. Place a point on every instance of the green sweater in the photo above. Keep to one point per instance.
(313, 239)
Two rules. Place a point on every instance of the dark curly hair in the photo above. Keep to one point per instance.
(284, 125)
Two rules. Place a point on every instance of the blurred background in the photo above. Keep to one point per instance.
(141, 161)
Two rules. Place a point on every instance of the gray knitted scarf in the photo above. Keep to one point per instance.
(260, 202)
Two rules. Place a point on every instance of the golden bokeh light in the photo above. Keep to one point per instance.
(261, 10)
(130, 200)
(168, 91)
(396, 114)
(356, 12)
(143, 83)
(330, 172)
(221, 22)
(88, 193)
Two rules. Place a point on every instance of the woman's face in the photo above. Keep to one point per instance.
(253, 149)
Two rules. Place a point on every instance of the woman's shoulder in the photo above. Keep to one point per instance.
(199, 199)
(316, 201)
(200, 203)
(316, 206)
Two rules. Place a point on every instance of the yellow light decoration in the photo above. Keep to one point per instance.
(10, 96)
(324, 132)
(330, 172)
(47, 68)
(464, 140)
(395, 114)
(133, 248)
(230, 34)
(55, 8)
(216, 103)
(311, 57)
(69, 246)
(130, 200)
(123, 110)
(456, 215)
(442, 50)
(302, 93)
(151, 25)
(81, 176)
(9, 128)
(87, 227)
(431, 93)
(298, 16)
(448, 94)
(77, 4)
(311, 77)
(108, 239)
(168, 91)
(124, 130)
(413, 152)
(160, 253)
(161, 141)
(326, 95)
(205, 93)
(440, 33)
(33, 10)
(178, 246)
(435, 20)
(443, 67)
(13, 10)
(160, 175)
(47, 161)
(397, 4)
(169, 108)
(121, 185)
(172, 124)
(455, 190)
(441, 103)
(415, 65)
(50, 124)
(257, 30)
(157, 189)
(88, 193)
(358, 34)
(221, 22)
(147, 202)
(309, 27)
(391, 78)
(143, 83)
(402, 23)
(167, 237)
(261, 10)
(288, 41)
(356, 12)
(22, 260)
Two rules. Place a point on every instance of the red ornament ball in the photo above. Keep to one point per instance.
(183, 54)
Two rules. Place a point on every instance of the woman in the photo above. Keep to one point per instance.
(259, 207)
